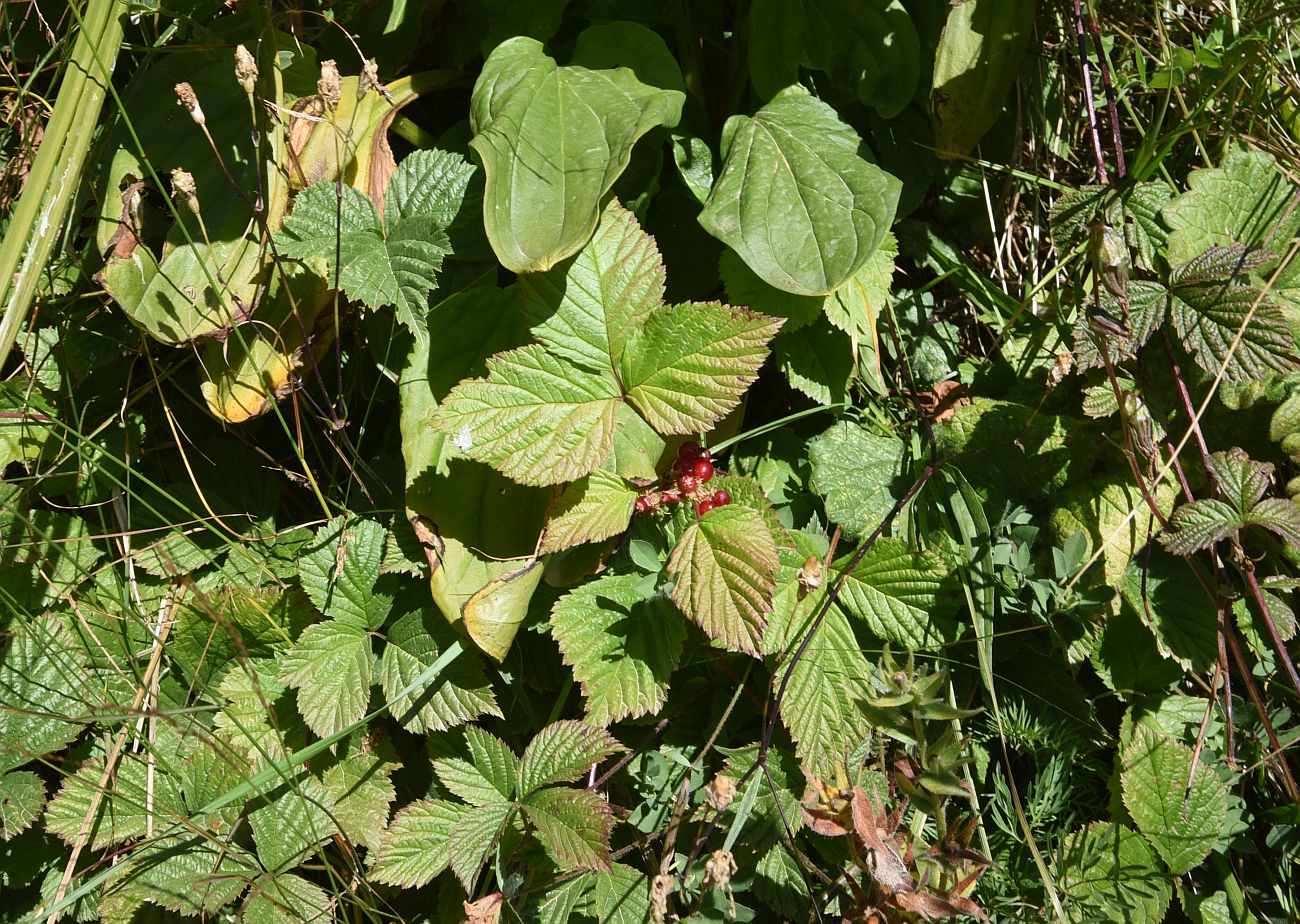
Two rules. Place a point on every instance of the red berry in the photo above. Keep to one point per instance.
(642, 504)
(721, 498)
(687, 483)
(672, 497)
(703, 470)
(689, 451)
(704, 507)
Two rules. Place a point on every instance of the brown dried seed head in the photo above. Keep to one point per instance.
(330, 83)
(660, 888)
(720, 792)
(369, 78)
(186, 97)
(245, 69)
(184, 190)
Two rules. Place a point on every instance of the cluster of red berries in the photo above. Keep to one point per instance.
(692, 470)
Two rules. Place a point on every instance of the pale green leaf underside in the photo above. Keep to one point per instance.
(724, 570)
(330, 667)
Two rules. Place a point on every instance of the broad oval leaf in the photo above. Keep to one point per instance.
(1106, 872)
(573, 825)
(861, 474)
(552, 141)
(795, 198)
(724, 568)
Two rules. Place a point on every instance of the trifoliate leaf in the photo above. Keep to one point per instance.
(859, 473)
(795, 198)
(691, 363)
(291, 823)
(286, 899)
(1182, 823)
(339, 569)
(562, 752)
(22, 795)
(330, 667)
(42, 675)
(1106, 872)
(573, 825)
(622, 646)
(390, 261)
(534, 417)
(724, 567)
(897, 592)
(1242, 482)
(472, 838)
(592, 508)
(461, 693)
(415, 847)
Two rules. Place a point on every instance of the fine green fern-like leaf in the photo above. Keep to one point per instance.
(724, 567)
(622, 647)
(573, 825)
(393, 260)
(330, 667)
(339, 570)
(562, 752)
(415, 847)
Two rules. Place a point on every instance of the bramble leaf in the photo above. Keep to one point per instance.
(573, 825)
(360, 791)
(897, 592)
(1242, 482)
(461, 693)
(122, 813)
(493, 759)
(621, 646)
(472, 838)
(22, 796)
(42, 676)
(339, 569)
(415, 848)
(795, 199)
(1182, 823)
(283, 898)
(561, 752)
(590, 509)
(724, 567)
(330, 667)
(1107, 872)
(292, 822)
(1199, 525)
(393, 260)
(1208, 318)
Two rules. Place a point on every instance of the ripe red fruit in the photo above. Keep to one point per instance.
(703, 470)
(721, 498)
(704, 507)
(690, 451)
(687, 483)
(642, 504)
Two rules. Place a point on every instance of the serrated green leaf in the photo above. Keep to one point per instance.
(184, 873)
(360, 791)
(1106, 872)
(1182, 823)
(816, 360)
(339, 570)
(472, 837)
(330, 667)
(22, 796)
(573, 825)
(688, 366)
(552, 141)
(393, 261)
(250, 720)
(538, 420)
(590, 509)
(1208, 318)
(466, 781)
(415, 847)
(493, 759)
(897, 592)
(42, 676)
(622, 646)
(1161, 590)
(562, 752)
(859, 473)
(461, 693)
(795, 199)
(1199, 525)
(286, 899)
(1279, 516)
(124, 811)
(724, 567)
(291, 823)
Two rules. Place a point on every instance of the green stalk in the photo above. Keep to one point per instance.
(56, 170)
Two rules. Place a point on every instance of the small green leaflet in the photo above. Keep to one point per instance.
(389, 260)
(1242, 482)
(414, 849)
(330, 666)
(861, 475)
(339, 570)
(592, 508)
(573, 824)
(22, 795)
(459, 694)
(548, 412)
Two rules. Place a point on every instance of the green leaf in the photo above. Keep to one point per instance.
(622, 647)
(360, 791)
(22, 796)
(590, 509)
(975, 67)
(42, 676)
(250, 720)
(188, 874)
(573, 825)
(1242, 482)
(629, 44)
(1182, 823)
(415, 847)
(724, 567)
(1278, 515)
(123, 812)
(393, 261)
(461, 693)
(816, 360)
(859, 473)
(690, 364)
(1199, 525)
(330, 667)
(871, 48)
(898, 593)
(562, 752)
(1208, 318)
(292, 822)
(466, 781)
(1106, 872)
(537, 419)
(339, 570)
(472, 838)
(1177, 610)
(795, 199)
(493, 759)
(286, 899)
(622, 895)
(552, 141)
